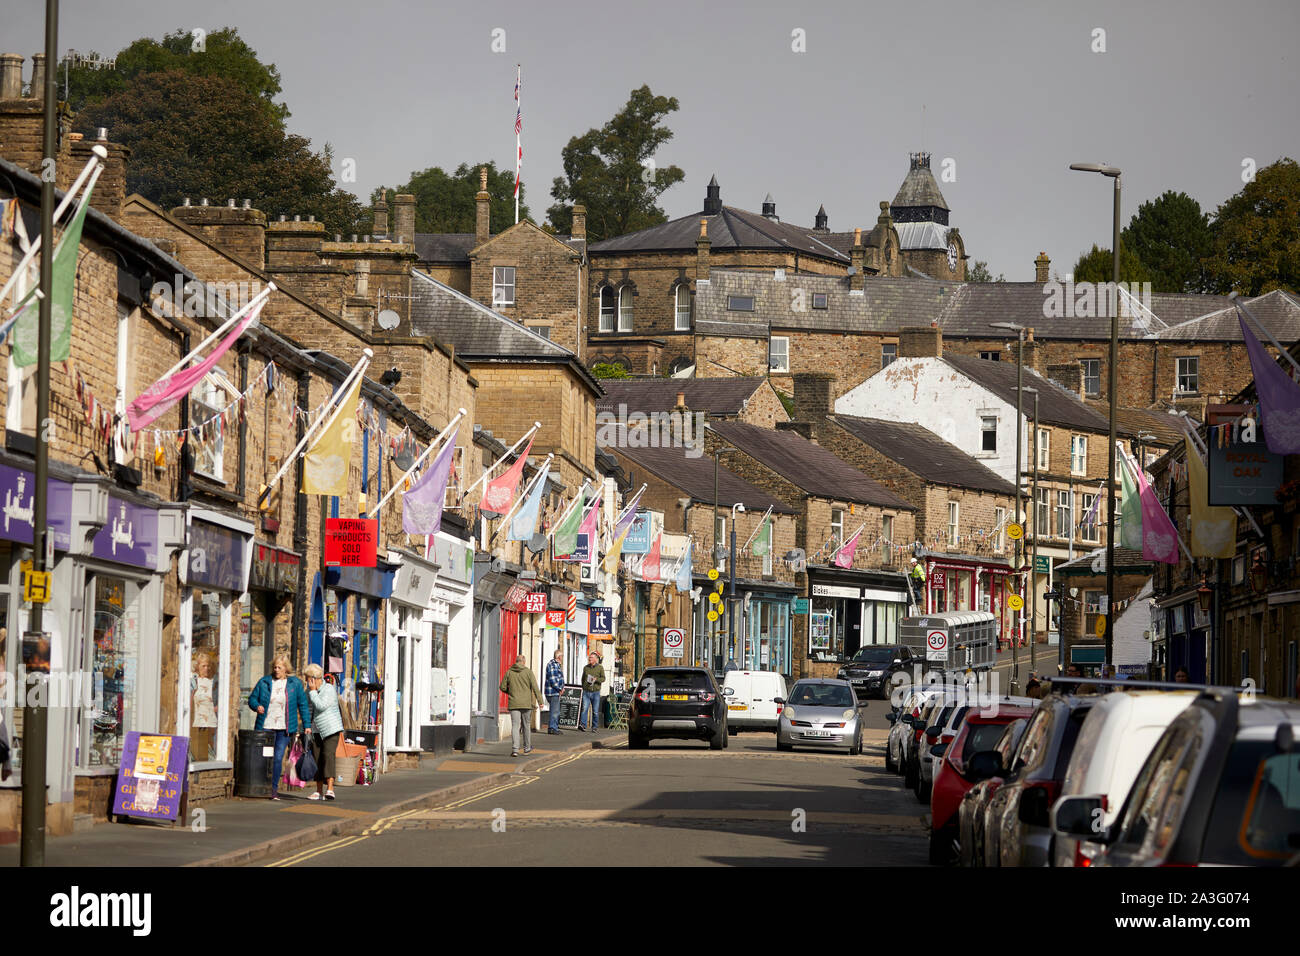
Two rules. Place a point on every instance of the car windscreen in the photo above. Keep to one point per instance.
(875, 655)
(981, 737)
(822, 695)
(1256, 815)
(676, 680)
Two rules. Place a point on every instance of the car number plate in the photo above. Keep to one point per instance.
(673, 697)
(818, 733)
(737, 707)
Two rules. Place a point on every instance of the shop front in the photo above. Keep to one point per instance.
(343, 636)
(451, 649)
(214, 579)
(970, 583)
(414, 645)
(496, 644)
(265, 618)
(849, 610)
(1187, 644)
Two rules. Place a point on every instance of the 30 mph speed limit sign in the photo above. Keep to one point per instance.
(674, 642)
(936, 646)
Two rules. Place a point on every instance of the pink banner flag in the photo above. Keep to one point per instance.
(588, 526)
(650, 570)
(844, 556)
(158, 398)
(1159, 536)
(499, 494)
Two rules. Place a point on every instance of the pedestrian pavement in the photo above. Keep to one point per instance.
(242, 830)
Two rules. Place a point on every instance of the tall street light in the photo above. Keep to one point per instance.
(1114, 173)
(1033, 552)
(1020, 427)
(731, 589)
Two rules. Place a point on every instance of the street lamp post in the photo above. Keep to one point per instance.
(1112, 383)
(1033, 551)
(731, 586)
(1020, 427)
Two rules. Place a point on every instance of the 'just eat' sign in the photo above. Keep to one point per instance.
(351, 542)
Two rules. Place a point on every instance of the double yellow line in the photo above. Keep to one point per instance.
(379, 826)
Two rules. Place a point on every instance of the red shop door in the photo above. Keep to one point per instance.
(509, 649)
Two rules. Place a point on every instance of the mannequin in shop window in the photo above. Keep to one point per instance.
(203, 708)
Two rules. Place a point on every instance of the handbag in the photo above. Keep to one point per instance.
(306, 763)
(295, 754)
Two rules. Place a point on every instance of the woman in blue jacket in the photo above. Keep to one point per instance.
(281, 704)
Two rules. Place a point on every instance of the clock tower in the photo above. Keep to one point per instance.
(930, 245)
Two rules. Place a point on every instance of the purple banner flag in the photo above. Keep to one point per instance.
(1279, 397)
(422, 504)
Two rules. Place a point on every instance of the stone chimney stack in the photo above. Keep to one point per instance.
(404, 218)
(857, 262)
(579, 228)
(920, 342)
(380, 210)
(1032, 359)
(483, 203)
(38, 77)
(702, 252)
(240, 230)
(814, 396)
(11, 76)
(1042, 268)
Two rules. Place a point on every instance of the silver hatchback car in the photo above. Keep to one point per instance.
(820, 713)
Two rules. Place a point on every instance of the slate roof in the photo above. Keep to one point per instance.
(922, 235)
(1056, 406)
(442, 247)
(808, 465)
(694, 476)
(730, 229)
(924, 453)
(1279, 311)
(919, 189)
(717, 396)
(1126, 559)
(471, 327)
(1166, 427)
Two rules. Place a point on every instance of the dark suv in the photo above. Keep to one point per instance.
(871, 670)
(683, 703)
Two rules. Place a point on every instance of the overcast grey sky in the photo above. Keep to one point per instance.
(1012, 92)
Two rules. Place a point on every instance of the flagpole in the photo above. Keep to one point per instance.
(635, 498)
(522, 497)
(219, 331)
(35, 246)
(94, 163)
(333, 409)
(569, 510)
(759, 528)
(460, 413)
(519, 155)
(491, 468)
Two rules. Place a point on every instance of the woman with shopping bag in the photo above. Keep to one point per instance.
(280, 702)
(328, 721)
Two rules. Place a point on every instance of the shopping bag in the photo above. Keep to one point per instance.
(291, 775)
(306, 764)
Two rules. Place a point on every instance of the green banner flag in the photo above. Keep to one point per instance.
(763, 542)
(62, 294)
(1130, 512)
(566, 535)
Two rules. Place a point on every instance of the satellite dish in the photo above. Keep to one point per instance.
(388, 319)
(537, 543)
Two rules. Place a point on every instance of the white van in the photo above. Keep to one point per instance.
(1114, 742)
(751, 699)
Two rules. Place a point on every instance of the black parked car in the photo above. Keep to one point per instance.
(871, 670)
(682, 703)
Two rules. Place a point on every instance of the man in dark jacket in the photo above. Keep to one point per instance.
(593, 678)
(520, 686)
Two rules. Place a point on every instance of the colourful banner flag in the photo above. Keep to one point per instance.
(589, 524)
(650, 565)
(844, 556)
(1159, 536)
(423, 501)
(499, 494)
(523, 524)
(1130, 510)
(684, 570)
(325, 464)
(1279, 397)
(1214, 530)
(62, 293)
(158, 398)
(614, 552)
(566, 534)
(763, 542)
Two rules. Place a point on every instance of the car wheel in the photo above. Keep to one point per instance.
(637, 742)
(891, 765)
(856, 749)
(732, 731)
(921, 795)
(911, 774)
(719, 739)
(782, 745)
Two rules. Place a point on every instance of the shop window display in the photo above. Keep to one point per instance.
(113, 653)
(205, 686)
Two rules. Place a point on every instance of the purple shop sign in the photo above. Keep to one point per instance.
(152, 777)
(216, 556)
(130, 536)
(18, 507)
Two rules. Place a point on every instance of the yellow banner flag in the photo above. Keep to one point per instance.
(326, 461)
(1214, 529)
(614, 553)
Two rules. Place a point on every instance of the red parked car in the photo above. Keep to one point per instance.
(979, 731)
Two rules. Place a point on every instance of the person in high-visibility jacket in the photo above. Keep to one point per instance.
(916, 577)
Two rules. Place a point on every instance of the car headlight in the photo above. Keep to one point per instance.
(850, 714)
(788, 712)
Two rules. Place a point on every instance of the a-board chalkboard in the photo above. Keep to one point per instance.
(570, 702)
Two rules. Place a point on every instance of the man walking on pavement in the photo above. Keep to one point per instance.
(554, 687)
(593, 677)
(520, 686)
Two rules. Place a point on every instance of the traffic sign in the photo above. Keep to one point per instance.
(36, 587)
(1015, 602)
(674, 642)
(936, 645)
(1015, 532)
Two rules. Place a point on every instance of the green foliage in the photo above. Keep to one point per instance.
(609, 370)
(979, 272)
(787, 402)
(224, 55)
(1256, 235)
(444, 202)
(1097, 265)
(208, 136)
(1170, 235)
(611, 171)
